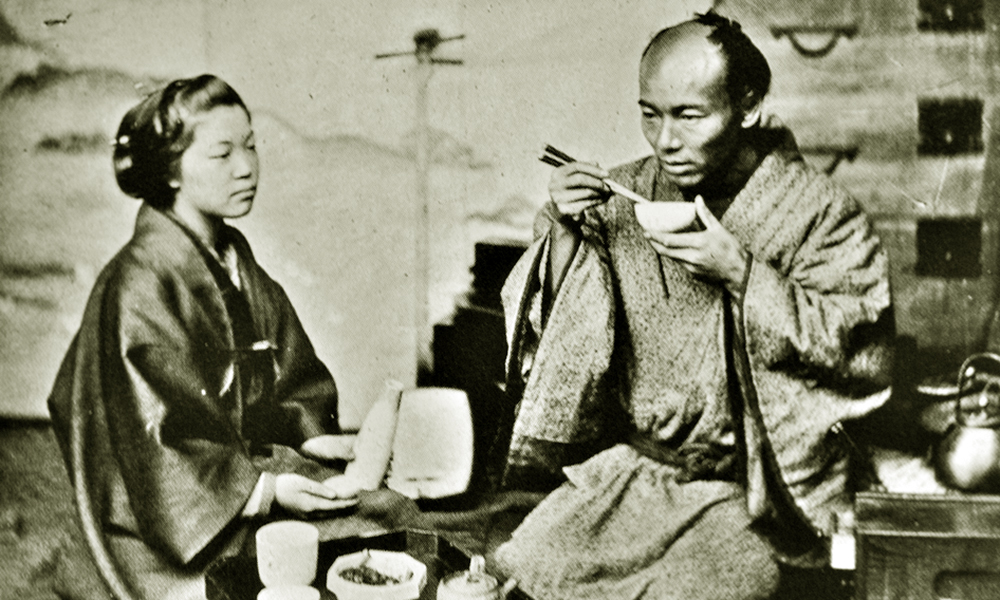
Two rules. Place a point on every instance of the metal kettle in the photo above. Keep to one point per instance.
(968, 457)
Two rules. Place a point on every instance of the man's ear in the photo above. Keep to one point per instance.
(752, 107)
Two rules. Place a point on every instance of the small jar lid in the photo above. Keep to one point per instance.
(474, 582)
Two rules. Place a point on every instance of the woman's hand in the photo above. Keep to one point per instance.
(575, 187)
(302, 495)
(343, 486)
(330, 447)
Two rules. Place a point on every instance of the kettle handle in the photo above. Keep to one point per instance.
(966, 366)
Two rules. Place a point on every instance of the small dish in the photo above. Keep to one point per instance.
(666, 216)
(410, 573)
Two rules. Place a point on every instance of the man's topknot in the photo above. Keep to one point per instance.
(716, 21)
(747, 71)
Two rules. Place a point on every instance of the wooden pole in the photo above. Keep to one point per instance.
(422, 326)
(425, 40)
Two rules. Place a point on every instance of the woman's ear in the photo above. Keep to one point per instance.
(752, 108)
(174, 184)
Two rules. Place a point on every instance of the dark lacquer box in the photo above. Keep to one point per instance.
(236, 578)
(925, 546)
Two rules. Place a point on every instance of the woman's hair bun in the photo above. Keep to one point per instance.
(139, 167)
(154, 134)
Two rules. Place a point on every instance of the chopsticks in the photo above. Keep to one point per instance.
(558, 158)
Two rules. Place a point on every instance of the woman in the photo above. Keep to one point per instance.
(190, 399)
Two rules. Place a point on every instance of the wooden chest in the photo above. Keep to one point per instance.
(927, 547)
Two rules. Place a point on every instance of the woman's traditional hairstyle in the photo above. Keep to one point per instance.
(747, 71)
(155, 133)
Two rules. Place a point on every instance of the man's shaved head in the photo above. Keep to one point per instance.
(747, 71)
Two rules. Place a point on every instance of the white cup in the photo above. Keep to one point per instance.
(287, 552)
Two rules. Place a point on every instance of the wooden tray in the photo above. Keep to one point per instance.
(236, 578)
(927, 546)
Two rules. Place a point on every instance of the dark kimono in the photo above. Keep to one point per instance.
(185, 388)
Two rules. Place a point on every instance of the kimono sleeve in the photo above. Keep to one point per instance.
(305, 390)
(822, 303)
(184, 466)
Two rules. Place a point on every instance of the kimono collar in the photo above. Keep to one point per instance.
(223, 268)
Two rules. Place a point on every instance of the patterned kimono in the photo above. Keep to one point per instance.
(700, 422)
(184, 388)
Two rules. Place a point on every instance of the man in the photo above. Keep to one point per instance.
(686, 384)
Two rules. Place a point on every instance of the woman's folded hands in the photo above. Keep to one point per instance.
(301, 495)
(304, 496)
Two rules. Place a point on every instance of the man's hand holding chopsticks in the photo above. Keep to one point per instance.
(577, 186)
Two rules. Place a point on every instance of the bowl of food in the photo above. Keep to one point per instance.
(666, 216)
(376, 575)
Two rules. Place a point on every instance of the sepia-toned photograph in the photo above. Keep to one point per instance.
(499, 299)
